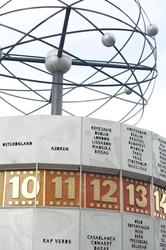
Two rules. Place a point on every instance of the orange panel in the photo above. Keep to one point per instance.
(102, 191)
(136, 196)
(62, 188)
(21, 188)
(159, 202)
(1, 187)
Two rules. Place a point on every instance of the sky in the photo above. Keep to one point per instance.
(154, 118)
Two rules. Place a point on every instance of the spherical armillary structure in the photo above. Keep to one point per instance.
(88, 58)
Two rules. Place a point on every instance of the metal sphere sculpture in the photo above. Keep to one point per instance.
(83, 58)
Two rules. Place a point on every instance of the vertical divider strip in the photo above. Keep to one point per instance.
(121, 186)
(152, 180)
(152, 191)
(37, 146)
(80, 208)
(37, 165)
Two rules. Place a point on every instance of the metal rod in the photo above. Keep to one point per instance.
(62, 41)
(76, 62)
(57, 93)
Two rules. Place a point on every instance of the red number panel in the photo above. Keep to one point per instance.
(159, 202)
(102, 191)
(136, 196)
(62, 188)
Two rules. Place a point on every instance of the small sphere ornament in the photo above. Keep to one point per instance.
(127, 91)
(108, 40)
(152, 30)
(54, 63)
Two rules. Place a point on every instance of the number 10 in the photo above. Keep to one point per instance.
(24, 187)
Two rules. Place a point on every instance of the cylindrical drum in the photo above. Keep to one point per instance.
(81, 184)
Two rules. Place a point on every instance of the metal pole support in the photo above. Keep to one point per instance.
(57, 94)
